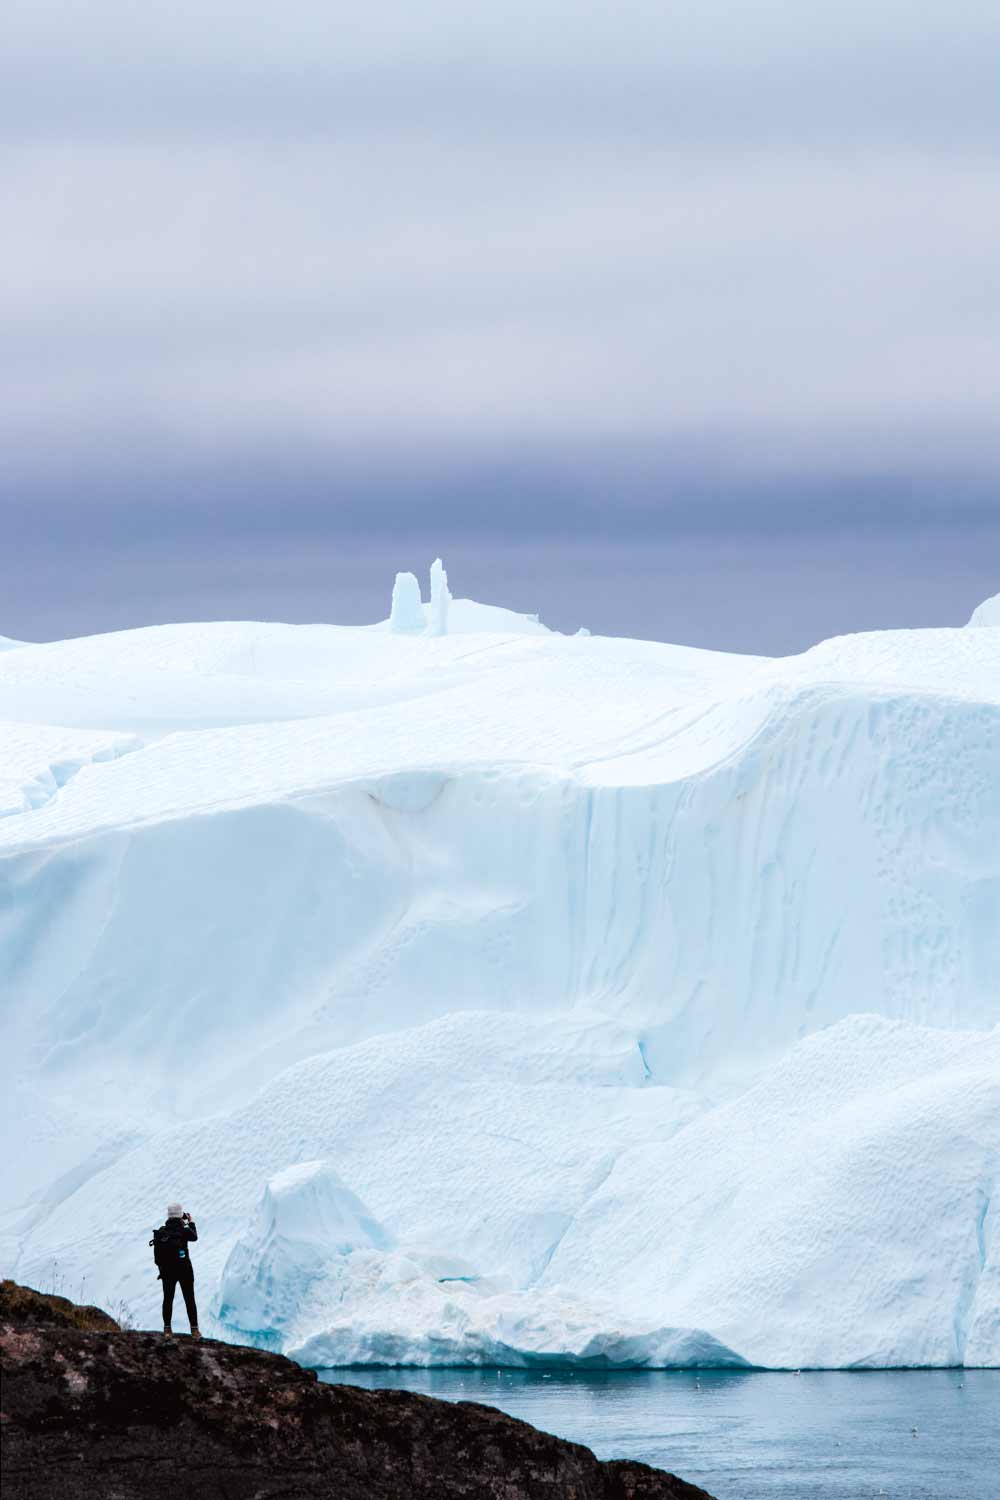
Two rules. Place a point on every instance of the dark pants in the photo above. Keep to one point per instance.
(183, 1277)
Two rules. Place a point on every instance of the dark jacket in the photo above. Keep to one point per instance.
(170, 1246)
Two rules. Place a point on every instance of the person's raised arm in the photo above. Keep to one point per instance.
(189, 1226)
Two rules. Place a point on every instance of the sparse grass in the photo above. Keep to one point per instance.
(24, 1307)
(57, 1281)
(57, 1288)
(122, 1315)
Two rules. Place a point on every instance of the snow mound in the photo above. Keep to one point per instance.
(466, 617)
(463, 617)
(314, 1276)
(398, 1310)
(530, 955)
(842, 1212)
(987, 613)
(307, 1219)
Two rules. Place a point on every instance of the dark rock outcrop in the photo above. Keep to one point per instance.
(110, 1415)
(22, 1307)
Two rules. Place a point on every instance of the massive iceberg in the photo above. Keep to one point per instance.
(492, 995)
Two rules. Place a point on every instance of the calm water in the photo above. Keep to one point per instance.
(747, 1436)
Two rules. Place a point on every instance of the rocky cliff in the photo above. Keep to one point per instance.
(113, 1415)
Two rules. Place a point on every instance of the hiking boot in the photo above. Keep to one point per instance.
(168, 1332)
(195, 1334)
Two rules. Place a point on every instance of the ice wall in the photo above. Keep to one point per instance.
(848, 854)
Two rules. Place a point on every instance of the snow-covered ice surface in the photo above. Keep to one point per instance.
(987, 613)
(499, 996)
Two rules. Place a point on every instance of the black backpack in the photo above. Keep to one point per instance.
(170, 1247)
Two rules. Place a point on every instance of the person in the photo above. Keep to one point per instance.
(170, 1251)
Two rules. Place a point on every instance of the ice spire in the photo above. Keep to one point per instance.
(440, 599)
(407, 615)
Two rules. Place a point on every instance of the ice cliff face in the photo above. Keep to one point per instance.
(545, 955)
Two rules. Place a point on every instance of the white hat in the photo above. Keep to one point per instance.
(174, 1210)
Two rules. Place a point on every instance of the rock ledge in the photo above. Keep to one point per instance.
(111, 1415)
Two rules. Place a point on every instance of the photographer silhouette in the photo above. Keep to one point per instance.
(170, 1251)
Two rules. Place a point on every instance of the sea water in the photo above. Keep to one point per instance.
(820, 1435)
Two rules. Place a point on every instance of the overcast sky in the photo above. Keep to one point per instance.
(678, 320)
